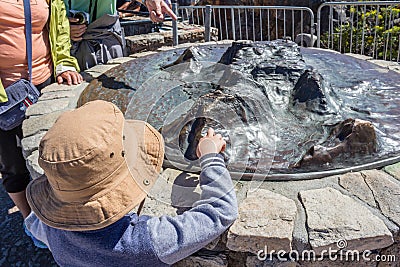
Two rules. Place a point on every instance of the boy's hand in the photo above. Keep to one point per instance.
(211, 143)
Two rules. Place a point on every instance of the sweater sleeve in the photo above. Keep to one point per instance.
(175, 238)
(37, 228)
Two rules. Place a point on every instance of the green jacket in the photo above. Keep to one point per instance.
(60, 43)
(3, 96)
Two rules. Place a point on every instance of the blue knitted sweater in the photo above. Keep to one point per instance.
(149, 241)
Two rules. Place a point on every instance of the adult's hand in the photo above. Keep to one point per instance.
(76, 30)
(157, 9)
(71, 77)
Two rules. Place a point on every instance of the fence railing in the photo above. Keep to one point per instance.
(369, 28)
(257, 23)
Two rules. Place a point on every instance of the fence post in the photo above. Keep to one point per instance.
(207, 24)
(175, 37)
(319, 25)
(233, 23)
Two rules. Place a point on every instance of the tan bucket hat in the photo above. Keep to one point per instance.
(97, 167)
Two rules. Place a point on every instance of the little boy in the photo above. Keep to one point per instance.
(98, 167)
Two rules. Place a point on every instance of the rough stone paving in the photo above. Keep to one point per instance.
(362, 208)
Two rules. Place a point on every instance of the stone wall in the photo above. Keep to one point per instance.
(153, 41)
(361, 210)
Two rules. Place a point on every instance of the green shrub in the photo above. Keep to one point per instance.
(367, 30)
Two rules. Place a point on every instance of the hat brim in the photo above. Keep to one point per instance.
(144, 155)
(132, 180)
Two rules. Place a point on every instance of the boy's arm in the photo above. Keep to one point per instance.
(36, 228)
(175, 238)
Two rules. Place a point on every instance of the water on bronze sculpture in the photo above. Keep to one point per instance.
(285, 112)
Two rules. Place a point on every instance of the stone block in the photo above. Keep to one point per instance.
(34, 125)
(143, 42)
(173, 193)
(393, 170)
(203, 261)
(31, 143)
(56, 95)
(155, 208)
(335, 261)
(386, 191)
(253, 261)
(119, 60)
(77, 93)
(237, 259)
(395, 68)
(213, 244)
(55, 87)
(355, 184)
(142, 54)
(359, 56)
(176, 188)
(225, 42)
(337, 221)
(384, 63)
(266, 219)
(390, 257)
(98, 70)
(165, 48)
(33, 165)
(290, 189)
(46, 107)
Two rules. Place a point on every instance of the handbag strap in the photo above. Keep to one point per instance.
(28, 35)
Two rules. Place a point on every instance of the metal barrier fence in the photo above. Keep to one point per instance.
(369, 28)
(257, 23)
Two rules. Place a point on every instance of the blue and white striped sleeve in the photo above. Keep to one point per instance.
(175, 238)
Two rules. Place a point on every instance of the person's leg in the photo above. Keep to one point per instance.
(20, 201)
(15, 175)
